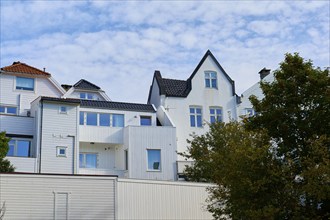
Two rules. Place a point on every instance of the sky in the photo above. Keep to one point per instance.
(118, 45)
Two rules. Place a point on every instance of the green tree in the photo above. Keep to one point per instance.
(5, 166)
(275, 165)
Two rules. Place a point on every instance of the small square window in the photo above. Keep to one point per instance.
(61, 151)
(145, 120)
(63, 110)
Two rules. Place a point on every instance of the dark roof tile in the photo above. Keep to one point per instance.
(84, 84)
(117, 105)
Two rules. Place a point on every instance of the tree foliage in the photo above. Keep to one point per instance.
(275, 165)
(5, 166)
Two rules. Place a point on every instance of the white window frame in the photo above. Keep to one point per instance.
(84, 160)
(160, 158)
(195, 114)
(58, 151)
(215, 108)
(63, 112)
(34, 84)
(6, 109)
(146, 116)
(86, 95)
(209, 78)
(249, 112)
(16, 147)
(98, 119)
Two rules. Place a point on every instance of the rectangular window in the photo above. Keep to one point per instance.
(23, 83)
(154, 159)
(211, 79)
(215, 114)
(126, 159)
(8, 110)
(86, 95)
(19, 148)
(63, 110)
(81, 118)
(104, 120)
(145, 120)
(117, 120)
(249, 112)
(61, 151)
(91, 118)
(88, 160)
(195, 117)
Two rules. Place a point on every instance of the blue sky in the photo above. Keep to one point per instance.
(118, 45)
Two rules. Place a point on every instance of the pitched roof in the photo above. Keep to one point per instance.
(182, 88)
(18, 67)
(84, 84)
(117, 105)
(64, 100)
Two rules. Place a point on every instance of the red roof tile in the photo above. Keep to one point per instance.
(18, 67)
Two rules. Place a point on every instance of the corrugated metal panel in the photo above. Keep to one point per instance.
(33, 196)
(17, 125)
(161, 200)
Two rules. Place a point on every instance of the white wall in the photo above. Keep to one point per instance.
(178, 108)
(13, 124)
(23, 164)
(22, 99)
(55, 130)
(139, 199)
(33, 196)
(138, 139)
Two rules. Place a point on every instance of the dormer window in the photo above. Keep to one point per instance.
(211, 79)
(86, 95)
(23, 83)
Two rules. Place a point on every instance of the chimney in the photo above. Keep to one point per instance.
(264, 72)
(16, 62)
(44, 69)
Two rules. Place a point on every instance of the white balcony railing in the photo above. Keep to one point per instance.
(23, 164)
(100, 134)
(13, 124)
(98, 171)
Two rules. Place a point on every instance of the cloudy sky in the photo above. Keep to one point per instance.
(118, 45)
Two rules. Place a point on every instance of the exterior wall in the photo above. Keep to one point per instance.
(163, 117)
(138, 139)
(155, 98)
(253, 90)
(57, 130)
(178, 108)
(21, 98)
(139, 199)
(41, 197)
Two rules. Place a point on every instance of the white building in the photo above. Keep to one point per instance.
(77, 129)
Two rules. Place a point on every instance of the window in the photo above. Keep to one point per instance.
(104, 120)
(249, 112)
(85, 95)
(81, 118)
(8, 110)
(63, 110)
(61, 151)
(211, 79)
(215, 114)
(126, 159)
(154, 162)
(23, 83)
(88, 160)
(91, 118)
(196, 117)
(19, 148)
(117, 120)
(145, 120)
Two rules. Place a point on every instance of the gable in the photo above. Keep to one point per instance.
(22, 68)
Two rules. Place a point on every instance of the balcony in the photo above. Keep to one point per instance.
(23, 164)
(100, 134)
(99, 171)
(14, 124)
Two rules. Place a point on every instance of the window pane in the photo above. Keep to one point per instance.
(25, 83)
(214, 83)
(207, 83)
(63, 109)
(62, 152)
(192, 121)
(192, 110)
(145, 120)
(198, 110)
(2, 109)
(11, 148)
(153, 159)
(83, 95)
(91, 118)
(104, 119)
(199, 121)
(218, 111)
(81, 160)
(213, 75)
(23, 148)
(118, 120)
(207, 75)
(219, 118)
(11, 110)
(81, 118)
(212, 110)
(90, 161)
(89, 96)
(212, 119)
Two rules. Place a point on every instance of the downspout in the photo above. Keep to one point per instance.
(40, 143)
(73, 153)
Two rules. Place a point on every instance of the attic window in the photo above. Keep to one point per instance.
(86, 95)
(211, 79)
(23, 83)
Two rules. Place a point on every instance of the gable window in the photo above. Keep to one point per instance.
(61, 151)
(145, 120)
(19, 148)
(8, 110)
(23, 83)
(86, 95)
(215, 114)
(211, 79)
(154, 162)
(195, 117)
(63, 110)
(88, 160)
